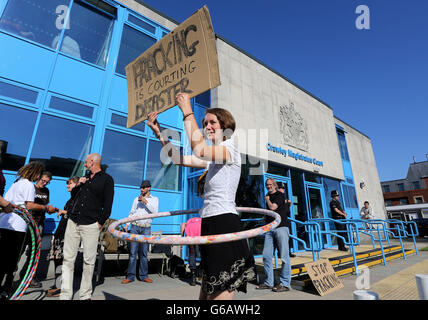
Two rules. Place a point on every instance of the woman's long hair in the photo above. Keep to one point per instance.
(31, 171)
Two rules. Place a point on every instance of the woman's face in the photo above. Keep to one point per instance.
(70, 186)
(213, 130)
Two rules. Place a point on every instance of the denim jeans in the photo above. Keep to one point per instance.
(277, 238)
(140, 250)
(193, 253)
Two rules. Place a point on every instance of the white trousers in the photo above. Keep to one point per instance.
(89, 235)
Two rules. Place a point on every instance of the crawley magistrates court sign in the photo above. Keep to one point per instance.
(185, 60)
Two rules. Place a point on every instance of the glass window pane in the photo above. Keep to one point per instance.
(132, 45)
(39, 21)
(18, 93)
(17, 127)
(162, 176)
(329, 186)
(342, 146)
(62, 145)
(88, 36)
(121, 121)
(71, 107)
(142, 24)
(204, 98)
(124, 155)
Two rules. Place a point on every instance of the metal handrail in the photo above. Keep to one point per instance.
(402, 232)
(364, 230)
(350, 226)
(311, 228)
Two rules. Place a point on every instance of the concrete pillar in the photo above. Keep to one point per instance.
(422, 283)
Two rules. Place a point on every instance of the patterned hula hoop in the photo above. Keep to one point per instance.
(199, 240)
(36, 244)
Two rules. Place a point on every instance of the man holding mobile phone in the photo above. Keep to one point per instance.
(145, 203)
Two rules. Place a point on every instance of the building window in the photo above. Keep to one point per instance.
(133, 43)
(388, 203)
(88, 34)
(124, 156)
(386, 189)
(419, 199)
(400, 186)
(162, 174)
(71, 107)
(120, 121)
(416, 185)
(204, 99)
(62, 145)
(350, 196)
(17, 126)
(404, 201)
(142, 24)
(18, 93)
(34, 19)
(342, 145)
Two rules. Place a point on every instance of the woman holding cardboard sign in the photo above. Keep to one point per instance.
(226, 266)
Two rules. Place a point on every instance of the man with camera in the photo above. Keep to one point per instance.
(145, 203)
(91, 208)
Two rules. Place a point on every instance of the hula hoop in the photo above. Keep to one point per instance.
(36, 244)
(199, 240)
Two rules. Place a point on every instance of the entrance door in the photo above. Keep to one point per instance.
(315, 207)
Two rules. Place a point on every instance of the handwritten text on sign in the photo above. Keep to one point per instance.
(184, 60)
(323, 276)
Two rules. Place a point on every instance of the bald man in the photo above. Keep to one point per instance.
(91, 208)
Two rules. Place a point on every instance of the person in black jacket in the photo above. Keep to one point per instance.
(91, 208)
(338, 213)
(57, 242)
(277, 238)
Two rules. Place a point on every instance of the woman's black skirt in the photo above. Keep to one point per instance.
(229, 265)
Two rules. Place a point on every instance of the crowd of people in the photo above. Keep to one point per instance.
(226, 267)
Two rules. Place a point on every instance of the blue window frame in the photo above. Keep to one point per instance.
(33, 19)
(88, 34)
(120, 121)
(18, 93)
(17, 126)
(142, 24)
(342, 145)
(132, 45)
(62, 145)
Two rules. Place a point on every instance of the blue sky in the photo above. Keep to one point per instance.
(376, 80)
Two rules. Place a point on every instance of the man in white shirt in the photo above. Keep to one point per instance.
(145, 203)
(366, 213)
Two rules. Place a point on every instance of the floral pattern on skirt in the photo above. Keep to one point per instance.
(235, 279)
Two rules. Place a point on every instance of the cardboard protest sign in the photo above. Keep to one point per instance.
(323, 276)
(185, 60)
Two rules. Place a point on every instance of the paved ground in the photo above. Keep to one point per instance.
(395, 281)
